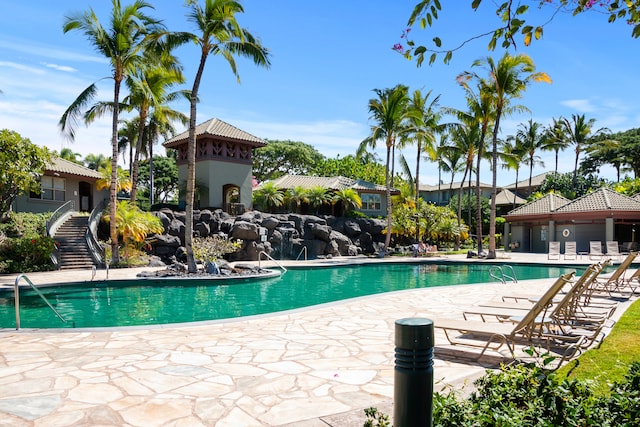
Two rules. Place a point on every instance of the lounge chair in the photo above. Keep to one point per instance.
(615, 283)
(554, 250)
(595, 249)
(570, 250)
(612, 250)
(529, 330)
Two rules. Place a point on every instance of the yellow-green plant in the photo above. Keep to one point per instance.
(134, 225)
(214, 247)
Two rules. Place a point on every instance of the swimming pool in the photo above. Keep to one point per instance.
(163, 301)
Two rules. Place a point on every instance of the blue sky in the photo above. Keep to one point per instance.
(327, 57)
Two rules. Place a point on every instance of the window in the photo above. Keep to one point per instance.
(52, 188)
(371, 202)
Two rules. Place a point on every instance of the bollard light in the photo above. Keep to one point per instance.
(413, 373)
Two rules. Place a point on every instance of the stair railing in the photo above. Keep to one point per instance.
(54, 222)
(91, 236)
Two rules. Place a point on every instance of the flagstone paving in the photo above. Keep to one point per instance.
(305, 368)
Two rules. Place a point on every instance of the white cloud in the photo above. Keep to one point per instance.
(25, 46)
(21, 67)
(60, 67)
(581, 105)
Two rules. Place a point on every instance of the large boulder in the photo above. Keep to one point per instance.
(342, 242)
(351, 228)
(244, 230)
(320, 231)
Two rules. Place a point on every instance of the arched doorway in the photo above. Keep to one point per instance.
(231, 199)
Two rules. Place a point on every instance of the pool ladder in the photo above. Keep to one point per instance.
(272, 259)
(498, 273)
(16, 290)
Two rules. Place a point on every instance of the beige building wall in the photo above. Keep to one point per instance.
(214, 176)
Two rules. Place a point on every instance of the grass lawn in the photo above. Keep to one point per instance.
(609, 361)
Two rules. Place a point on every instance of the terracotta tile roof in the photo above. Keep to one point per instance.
(603, 199)
(544, 205)
(505, 197)
(333, 183)
(62, 166)
(218, 128)
(536, 181)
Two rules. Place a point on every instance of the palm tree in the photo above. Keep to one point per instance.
(122, 43)
(465, 137)
(269, 195)
(95, 161)
(482, 113)
(578, 132)
(389, 111)
(297, 195)
(348, 198)
(513, 153)
(318, 196)
(219, 33)
(556, 139)
(507, 80)
(531, 138)
(148, 87)
(69, 154)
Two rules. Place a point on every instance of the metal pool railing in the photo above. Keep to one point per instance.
(16, 290)
(271, 258)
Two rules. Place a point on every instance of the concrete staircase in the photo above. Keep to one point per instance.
(74, 252)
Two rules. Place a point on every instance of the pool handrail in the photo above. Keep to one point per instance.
(16, 290)
(304, 249)
(503, 276)
(271, 258)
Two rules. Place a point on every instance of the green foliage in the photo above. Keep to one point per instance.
(134, 225)
(469, 209)
(280, 158)
(25, 254)
(268, 196)
(214, 247)
(25, 224)
(376, 418)
(165, 179)
(511, 26)
(364, 168)
(318, 196)
(564, 184)
(349, 199)
(436, 223)
(529, 395)
(628, 187)
(21, 163)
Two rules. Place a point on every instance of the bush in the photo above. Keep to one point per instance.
(529, 395)
(25, 224)
(25, 254)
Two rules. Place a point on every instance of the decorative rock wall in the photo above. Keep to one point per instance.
(281, 236)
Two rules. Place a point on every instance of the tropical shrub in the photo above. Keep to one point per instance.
(25, 254)
(214, 247)
(530, 395)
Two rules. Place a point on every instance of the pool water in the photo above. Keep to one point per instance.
(156, 301)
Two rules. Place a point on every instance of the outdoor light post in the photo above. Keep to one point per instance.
(413, 373)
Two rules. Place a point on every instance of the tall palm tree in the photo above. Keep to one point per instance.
(482, 112)
(508, 79)
(122, 43)
(532, 139)
(388, 111)
(465, 137)
(423, 116)
(148, 87)
(579, 131)
(219, 33)
(556, 139)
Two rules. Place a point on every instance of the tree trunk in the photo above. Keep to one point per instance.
(494, 188)
(113, 189)
(191, 168)
(387, 240)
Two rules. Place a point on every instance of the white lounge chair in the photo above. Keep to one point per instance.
(595, 249)
(570, 250)
(612, 250)
(554, 250)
